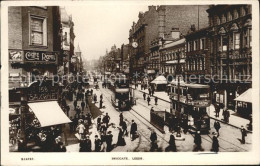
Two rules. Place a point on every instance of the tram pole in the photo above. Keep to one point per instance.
(178, 77)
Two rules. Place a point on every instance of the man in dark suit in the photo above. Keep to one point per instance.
(98, 144)
(133, 130)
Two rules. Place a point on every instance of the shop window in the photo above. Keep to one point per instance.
(38, 31)
(236, 40)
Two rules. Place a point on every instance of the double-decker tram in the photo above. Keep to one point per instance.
(194, 101)
(120, 88)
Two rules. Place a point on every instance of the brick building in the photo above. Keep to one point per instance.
(230, 51)
(152, 27)
(197, 55)
(34, 43)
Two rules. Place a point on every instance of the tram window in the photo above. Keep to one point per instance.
(184, 92)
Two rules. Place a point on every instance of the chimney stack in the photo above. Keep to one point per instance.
(175, 33)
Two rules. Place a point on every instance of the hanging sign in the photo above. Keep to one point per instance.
(40, 57)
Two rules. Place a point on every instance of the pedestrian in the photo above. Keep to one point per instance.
(106, 119)
(101, 97)
(121, 118)
(75, 103)
(185, 123)
(172, 145)
(217, 109)
(217, 126)
(103, 128)
(120, 139)
(103, 139)
(244, 134)
(133, 130)
(197, 141)
(91, 92)
(156, 100)
(109, 139)
(67, 109)
(88, 144)
(100, 103)
(152, 91)
(124, 127)
(83, 105)
(98, 123)
(75, 123)
(144, 95)
(153, 139)
(78, 110)
(89, 118)
(95, 98)
(152, 110)
(215, 144)
(98, 144)
(86, 94)
(149, 90)
(81, 129)
(71, 125)
(227, 116)
(148, 100)
(224, 114)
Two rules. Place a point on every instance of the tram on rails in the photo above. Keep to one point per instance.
(194, 101)
(121, 92)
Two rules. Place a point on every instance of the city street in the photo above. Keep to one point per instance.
(140, 113)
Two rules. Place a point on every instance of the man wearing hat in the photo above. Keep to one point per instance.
(153, 138)
(88, 144)
(98, 144)
(197, 141)
(244, 134)
(217, 126)
(133, 130)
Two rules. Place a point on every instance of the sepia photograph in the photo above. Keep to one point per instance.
(159, 78)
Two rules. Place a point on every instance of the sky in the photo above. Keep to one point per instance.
(99, 27)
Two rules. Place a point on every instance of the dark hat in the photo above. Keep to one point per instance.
(96, 136)
(109, 132)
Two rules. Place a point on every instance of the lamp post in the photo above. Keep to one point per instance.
(23, 141)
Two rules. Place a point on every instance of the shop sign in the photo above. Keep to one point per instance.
(42, 92)
(40, 56)
(15, 55)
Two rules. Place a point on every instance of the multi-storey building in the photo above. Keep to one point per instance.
(34, 46)
(172, 53)
(124, 65)
(197, 56)
(68, 37)
(230, 51)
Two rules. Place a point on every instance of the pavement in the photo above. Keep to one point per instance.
(234, 120)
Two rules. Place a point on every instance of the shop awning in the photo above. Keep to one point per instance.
(150, 71)
(246, 96)
(159, 80)
(175, 61)
(124, 90)
(49, 113)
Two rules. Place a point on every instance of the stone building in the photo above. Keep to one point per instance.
(230, 51)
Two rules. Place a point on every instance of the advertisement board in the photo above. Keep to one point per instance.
(66, 38)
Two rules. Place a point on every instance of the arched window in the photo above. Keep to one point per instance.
(229, 16)
(218, 20)
(242, 11)
(222, 40)
(248, 33)
(235, 14)
(223, 18)
(235, 36)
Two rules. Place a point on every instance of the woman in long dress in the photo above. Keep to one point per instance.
(120, 139)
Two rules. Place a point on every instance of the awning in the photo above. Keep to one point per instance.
(246, 96)
(125, 90)
(150, 71)
(159, 80)
(49, 113)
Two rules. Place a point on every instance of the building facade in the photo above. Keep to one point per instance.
(230, 51)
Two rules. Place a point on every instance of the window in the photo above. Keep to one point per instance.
(236, 40)
(229, 16)
(196, 45)
(202, 44)
(224, 43)
(235, 14)
(38, 31)
(218, 20)
(243, 12)
(223, 18)
(188, 48)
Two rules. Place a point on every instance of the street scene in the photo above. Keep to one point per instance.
(180, 82)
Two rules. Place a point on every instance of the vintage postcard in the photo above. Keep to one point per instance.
(129, 83)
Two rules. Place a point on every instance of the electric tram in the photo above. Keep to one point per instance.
(121, 92)
(194, 101)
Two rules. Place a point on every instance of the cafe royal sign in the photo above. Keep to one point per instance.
(41, 57)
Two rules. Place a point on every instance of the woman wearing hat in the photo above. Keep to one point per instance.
(172, 145)
(120, 139)
(215, 144)
(81, 128)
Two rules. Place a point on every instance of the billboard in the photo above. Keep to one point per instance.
(66, 38)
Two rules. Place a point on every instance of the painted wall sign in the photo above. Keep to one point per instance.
(42, 92)
(15, 55)
(40, 56)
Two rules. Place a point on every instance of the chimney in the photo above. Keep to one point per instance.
(192, 28)
(175, 33)
(150, 7)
